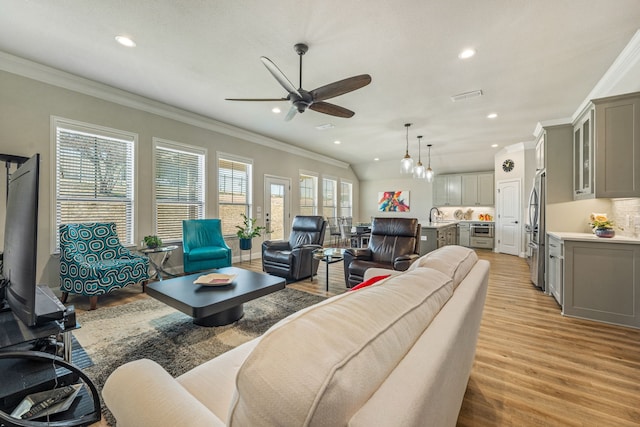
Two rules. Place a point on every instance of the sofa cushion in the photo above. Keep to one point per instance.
(321, 364)
(454, 261)
(369, 282)
(207, 253)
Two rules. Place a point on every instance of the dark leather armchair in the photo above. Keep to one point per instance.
(394, 245)
(293, 259)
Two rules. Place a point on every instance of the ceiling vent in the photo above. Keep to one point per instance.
(466, 95)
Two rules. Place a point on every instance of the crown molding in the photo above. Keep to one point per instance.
(42, 73)
(548, 123)
(624, 63)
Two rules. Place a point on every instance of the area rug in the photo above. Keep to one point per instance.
(147, 328)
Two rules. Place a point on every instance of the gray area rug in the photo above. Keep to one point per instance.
(112, 336)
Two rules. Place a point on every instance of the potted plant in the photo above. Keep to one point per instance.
(602, 227)
(247, 231)
(152, 242)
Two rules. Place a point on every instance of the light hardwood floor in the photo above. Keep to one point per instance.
(533, 366)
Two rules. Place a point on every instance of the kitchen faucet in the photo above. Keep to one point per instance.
(438, 213)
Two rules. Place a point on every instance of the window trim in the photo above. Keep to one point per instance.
(54, 123)
(315, 175)
(238, 159)
(179, 146)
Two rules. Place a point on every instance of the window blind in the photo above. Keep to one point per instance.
(234, 178)
(308, 195)
(329, 197)
(94, 180)
(179, 189)
(346, 197)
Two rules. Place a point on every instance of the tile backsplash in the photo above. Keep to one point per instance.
(626, 215)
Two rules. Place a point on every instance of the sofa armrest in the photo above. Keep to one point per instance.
(276, 245)
(142, 393)
(357, 253)
(403, 262)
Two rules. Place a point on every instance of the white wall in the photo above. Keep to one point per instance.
(420, 198)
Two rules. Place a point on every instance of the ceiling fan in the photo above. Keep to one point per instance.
(301, 99)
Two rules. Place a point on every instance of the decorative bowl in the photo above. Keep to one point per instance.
(605, 232)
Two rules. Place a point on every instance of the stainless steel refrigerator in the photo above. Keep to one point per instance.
(537, 230)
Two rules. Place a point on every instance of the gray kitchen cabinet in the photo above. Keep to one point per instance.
(602, 281)
(447, 190)
(432, 238)
(607, 148)
(555, 268)
(477, 189)
(464, 234)
(556, 149)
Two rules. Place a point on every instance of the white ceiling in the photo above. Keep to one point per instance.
(536, 60)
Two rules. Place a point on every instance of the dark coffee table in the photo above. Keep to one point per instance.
(215, 305)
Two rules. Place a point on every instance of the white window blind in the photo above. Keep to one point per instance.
(308, 194)
(234, 197)
(179, 188)
(346, 199)
(329, 208)
(94, 179)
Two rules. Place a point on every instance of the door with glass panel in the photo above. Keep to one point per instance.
(277, 218)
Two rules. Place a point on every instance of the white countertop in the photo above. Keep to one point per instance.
(446, 223)
(590, 237)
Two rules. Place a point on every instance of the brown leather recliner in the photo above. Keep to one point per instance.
(394, 245)
(293, 259)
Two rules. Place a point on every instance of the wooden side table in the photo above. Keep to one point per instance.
(166, 254)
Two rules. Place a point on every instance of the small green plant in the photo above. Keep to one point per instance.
(248, 230)
(152, 241)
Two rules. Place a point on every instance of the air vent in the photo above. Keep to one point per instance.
(466, 95)
(325, 126)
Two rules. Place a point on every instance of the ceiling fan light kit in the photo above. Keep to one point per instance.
(406, 164)
(301, 99)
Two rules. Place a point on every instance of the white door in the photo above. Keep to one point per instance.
(277, 217)
(508, 225)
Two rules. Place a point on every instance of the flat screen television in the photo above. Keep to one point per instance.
(32, 304)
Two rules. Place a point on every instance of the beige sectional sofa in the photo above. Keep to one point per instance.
(397, 353)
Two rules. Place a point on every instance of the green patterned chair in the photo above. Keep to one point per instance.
(93, 262)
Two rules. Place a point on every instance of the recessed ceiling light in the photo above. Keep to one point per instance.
(337, 142)
(376, 159)
(492, 115)
(125, 41)
(276, 110)
(494, 145)
(467, 53)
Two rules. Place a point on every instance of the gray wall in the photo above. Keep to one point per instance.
(26, 107)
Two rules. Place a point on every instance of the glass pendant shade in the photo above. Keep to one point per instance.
(419, 170)
(429, 174)
(406, 164)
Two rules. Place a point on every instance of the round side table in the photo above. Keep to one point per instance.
(159, 267)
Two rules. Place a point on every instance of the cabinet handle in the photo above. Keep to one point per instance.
(579, 192)
(552, 245)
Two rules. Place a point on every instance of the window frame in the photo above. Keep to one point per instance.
(129, 237)
(314, 191)
(335, 196)
(201, 153)
(249, 192)
(341, 207)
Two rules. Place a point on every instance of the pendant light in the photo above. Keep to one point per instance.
(406, 164)
(429, 173)
(419, 171)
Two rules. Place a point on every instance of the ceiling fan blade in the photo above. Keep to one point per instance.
(291, 113)
(279, 75)
(332, 109)
(340, 87)
(256, 99)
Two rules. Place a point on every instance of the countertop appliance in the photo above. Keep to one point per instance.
(481, 234)
(536, 229)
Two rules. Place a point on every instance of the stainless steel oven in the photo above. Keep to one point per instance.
(481, 235)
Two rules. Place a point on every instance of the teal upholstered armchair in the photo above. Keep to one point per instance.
(93, 262)
(203, 245)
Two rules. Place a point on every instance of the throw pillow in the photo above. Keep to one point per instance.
(369, 282)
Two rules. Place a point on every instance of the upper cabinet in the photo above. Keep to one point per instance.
(472, 189)
(477, 189)
(607, 148)
(447, 190)
(553, 154)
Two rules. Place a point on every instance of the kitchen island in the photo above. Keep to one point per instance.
(595, 278)
(434, 235)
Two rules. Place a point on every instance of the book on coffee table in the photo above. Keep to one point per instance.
(215, 279)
